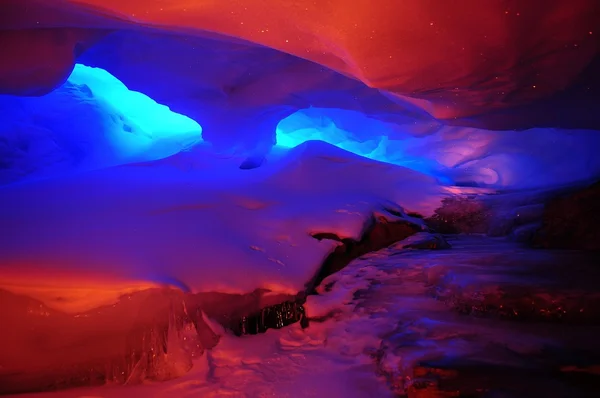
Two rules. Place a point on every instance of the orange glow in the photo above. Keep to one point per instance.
(69, 292)
(399, 46)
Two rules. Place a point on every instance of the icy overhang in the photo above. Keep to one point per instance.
(500, 65)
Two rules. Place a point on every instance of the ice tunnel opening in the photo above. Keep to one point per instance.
(453, 155)
(316, 124)
(357, 133)
(91, 121)
(153, 118)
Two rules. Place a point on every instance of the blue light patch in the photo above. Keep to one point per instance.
(150, 116)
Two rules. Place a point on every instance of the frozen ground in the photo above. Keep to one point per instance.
(394, 322)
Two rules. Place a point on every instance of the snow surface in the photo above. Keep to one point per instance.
(195, 221)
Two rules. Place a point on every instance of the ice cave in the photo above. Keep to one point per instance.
(299, 198)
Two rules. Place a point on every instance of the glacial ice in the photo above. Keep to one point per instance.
(131, 238)
(534, 158)
(91, 121)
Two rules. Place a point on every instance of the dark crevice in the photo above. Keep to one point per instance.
(415, 215)
(378, 234)
(326, 235)
(273, 317)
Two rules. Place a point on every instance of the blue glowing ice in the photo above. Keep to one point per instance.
(94, 121)
(356, 133)
(454, 155)
(90, 122)
(150, 116)
(319, 125)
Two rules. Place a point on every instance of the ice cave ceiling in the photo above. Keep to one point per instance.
(451, 73)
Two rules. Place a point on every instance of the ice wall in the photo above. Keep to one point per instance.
(93, 120)
(463, 97)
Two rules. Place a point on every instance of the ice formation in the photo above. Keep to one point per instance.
(384, 323)
(533, 158)
(178, 171)
(91, 121)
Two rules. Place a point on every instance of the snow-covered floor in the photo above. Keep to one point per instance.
(388, 323)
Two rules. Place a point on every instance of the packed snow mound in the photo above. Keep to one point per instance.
(91, 121)
(534, 158)
(195, 221)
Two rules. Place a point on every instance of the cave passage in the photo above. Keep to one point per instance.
(299, 198)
